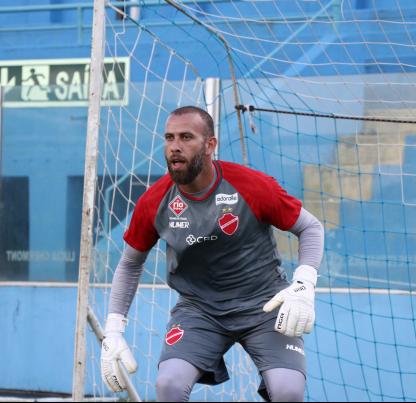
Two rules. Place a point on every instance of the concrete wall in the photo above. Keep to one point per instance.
(357, 351)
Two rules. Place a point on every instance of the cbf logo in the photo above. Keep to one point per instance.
(192, 239)
(178, 206)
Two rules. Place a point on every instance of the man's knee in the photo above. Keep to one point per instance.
(175, 380)
(169, 388)
(284, 385)
(286, 393)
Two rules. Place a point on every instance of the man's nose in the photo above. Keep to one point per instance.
(175, 146)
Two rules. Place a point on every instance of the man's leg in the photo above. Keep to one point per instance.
(192, 352)
(284, 385)
(280, 360)
(175, 380)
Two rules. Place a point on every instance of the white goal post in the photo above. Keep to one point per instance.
(90, 174)
(85, 313)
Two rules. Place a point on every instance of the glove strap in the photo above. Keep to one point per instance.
(116, 323)
(305, 273)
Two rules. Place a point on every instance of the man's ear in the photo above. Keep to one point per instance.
(211, 145)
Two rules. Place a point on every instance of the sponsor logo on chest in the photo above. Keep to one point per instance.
(223, 198)
(178, 206)
(191, 239)
(179, 224)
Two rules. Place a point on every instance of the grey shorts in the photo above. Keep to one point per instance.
(202, 340)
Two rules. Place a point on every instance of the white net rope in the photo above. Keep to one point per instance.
(327, 57)
(154, 81)
(335, 57)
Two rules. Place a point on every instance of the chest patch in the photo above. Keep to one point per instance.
(178, 206)
(228, 223)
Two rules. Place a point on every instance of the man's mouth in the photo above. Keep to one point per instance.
(177, 163)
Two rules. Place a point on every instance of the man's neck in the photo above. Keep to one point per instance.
(202, 181)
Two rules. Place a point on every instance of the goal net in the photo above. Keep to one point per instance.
(319, 94)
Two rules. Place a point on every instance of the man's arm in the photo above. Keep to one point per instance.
(310, 232)
(126, 279)
(114, 347)
(297, 302)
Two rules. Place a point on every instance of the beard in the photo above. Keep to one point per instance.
(193, 169)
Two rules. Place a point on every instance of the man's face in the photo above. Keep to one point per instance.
(186, 147)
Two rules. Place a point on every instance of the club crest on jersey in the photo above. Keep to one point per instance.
(177, 206)
(174, 335)
(229, 223)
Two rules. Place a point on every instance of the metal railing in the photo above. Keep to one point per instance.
(78, 24)
(83, 16)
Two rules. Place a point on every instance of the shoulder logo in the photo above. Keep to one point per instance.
(228, 223)
(223, 198)
(178, 206)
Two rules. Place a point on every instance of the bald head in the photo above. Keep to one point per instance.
(204, 115)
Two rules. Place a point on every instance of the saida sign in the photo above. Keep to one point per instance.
(61, 82)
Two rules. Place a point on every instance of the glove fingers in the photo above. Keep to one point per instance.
(276, 301)
(111, 375)
(310, 322)
(293, 321)
(296, 314)
(303, 318)
(282, 317)
(115, 349)
(128, 360)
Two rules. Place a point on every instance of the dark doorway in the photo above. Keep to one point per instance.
(14, 228)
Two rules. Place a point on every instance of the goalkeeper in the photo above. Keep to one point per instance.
(216, 218)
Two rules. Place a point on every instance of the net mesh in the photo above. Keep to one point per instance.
(349, 58)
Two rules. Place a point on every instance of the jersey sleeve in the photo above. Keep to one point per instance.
(141, 234)
(279, 208)
(269, 202)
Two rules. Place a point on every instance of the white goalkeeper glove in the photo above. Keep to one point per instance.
(114, 349)
(297, 312)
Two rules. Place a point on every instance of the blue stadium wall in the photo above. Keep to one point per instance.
(37, 323)
(38, 336)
